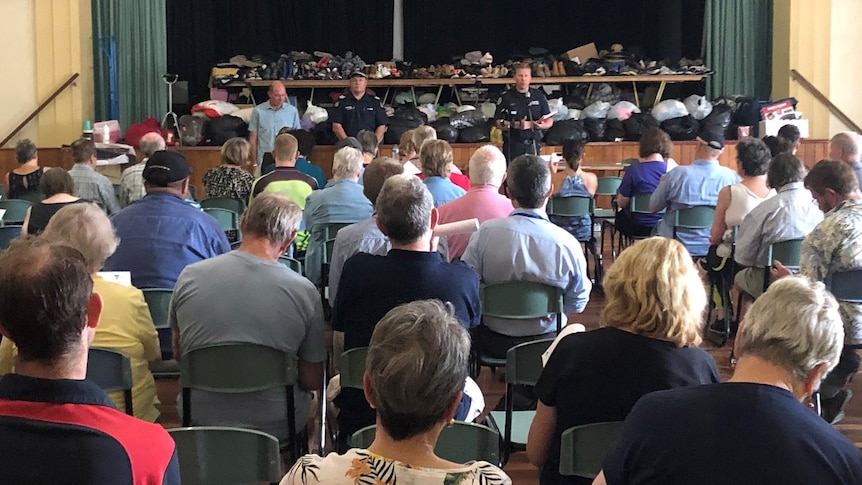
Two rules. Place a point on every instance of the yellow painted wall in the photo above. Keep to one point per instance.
(845, 63)
(46, 41)
(17, 92)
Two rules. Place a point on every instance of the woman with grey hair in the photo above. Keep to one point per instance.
(414, 376)
(24, 178)
(125, 325)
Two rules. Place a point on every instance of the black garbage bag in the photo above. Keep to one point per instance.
(566, 130)
(681, 128)
(397, 127)
(595, 128)
(475, 134)
(219, 130)
(447, 132)
(637, 123)
(468, 119)
(718, 120)
(614, 130)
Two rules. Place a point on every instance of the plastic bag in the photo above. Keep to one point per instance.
(596, 128)
(429, 111)
(599, 109)
(681, 128)
(315, 114)
(191, 129)
(214, 108)
(468, 119)
(566, 130)
(698, 106)
(667, 109)
(622, 110)
(448, 133)
(562, 110)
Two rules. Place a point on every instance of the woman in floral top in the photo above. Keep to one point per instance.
(229, 179)
(415, 372)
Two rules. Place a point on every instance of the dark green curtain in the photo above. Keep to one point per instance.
(138, 29)
(738, 40)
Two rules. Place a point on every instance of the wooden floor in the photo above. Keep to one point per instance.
(518, 468)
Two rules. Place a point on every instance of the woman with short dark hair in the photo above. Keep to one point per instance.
(58, 187)
(24, 178)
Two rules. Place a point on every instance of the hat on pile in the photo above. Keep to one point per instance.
(165, 167)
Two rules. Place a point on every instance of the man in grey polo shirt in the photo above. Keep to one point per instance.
(247, 296)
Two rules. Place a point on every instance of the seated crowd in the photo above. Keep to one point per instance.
(414, 300)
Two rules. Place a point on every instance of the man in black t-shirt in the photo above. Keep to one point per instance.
(754, 429)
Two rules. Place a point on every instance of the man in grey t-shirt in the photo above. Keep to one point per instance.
(247, 296)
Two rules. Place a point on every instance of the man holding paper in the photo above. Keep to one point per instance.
(522, 113)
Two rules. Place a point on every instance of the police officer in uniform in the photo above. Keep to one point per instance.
(357, 111)
(520, 114)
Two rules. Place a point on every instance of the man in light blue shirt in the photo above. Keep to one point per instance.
(692, 185)
(791, 214)
(268, 118)
(526, 246)
(341, 201)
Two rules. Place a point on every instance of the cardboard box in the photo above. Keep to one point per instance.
(583, 53)
(771, 127)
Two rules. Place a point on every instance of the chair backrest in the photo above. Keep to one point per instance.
(640, 204)
(583, 448)
(193, 192)
(222, 455)
(159, 302)
(227, 219)
(236, 206)
(111, 371)
(7, 234)
(788, 252)
(846, 285)
(351, 364)
(332, 228)
(16, 210)
(697, 217)
(328, 249)
(33, 196)
(520, 299)
(235, 244)
(294, 264)
(572, 206)
(462, 442)
(608, 185)
(237, 368)
(524, 362)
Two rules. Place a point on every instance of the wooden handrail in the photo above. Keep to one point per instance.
(794, 74)
(40, 108)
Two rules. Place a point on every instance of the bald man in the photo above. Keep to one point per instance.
(267, 119)
(132, 180)
(845, 146)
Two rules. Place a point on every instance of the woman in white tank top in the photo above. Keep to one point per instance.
(737, 200)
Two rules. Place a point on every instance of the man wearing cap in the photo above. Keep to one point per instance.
(520, 114)
(268, 118)
(356, 110)
(161, 234)
(692, 185)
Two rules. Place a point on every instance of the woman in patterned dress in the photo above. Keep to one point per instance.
(229, 179)
(415, 372)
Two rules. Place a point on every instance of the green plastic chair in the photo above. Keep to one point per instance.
(216, 455)
(291, 263)
(846, 285)
(237, 206)
(576, 206)
(583, 448)
(523, 367)
(351, 365)
(607, 186)
(33, 196)
(788, 252)
(332, 228)
(16, 211)
(460, 443)
(7, 234)
(159, 302)
(227, 219)
(239, 368)
(111, 371)
(697, 217)
(193, 192)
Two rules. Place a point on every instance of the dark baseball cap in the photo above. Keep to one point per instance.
(713, 139)
(357, 73)
(350, 141)
(165, 167)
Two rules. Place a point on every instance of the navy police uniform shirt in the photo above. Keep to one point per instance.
(355, 115)
(67, 431)
(515, 106)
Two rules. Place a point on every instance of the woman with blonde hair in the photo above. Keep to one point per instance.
(648, 341)
(436, 157)
(229, 179)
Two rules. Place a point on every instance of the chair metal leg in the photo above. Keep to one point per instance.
(507, 428)
(187, 407)
(291, 423)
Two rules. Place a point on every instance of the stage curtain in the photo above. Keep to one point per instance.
(139, 31)
(738, 39)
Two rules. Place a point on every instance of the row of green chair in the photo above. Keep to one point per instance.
(16, 211)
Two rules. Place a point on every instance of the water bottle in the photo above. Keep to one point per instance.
(88, 130)
(396, 152)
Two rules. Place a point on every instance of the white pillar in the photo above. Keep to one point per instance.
(398, 30)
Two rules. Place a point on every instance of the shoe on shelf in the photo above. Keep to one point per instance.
(833, 407)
